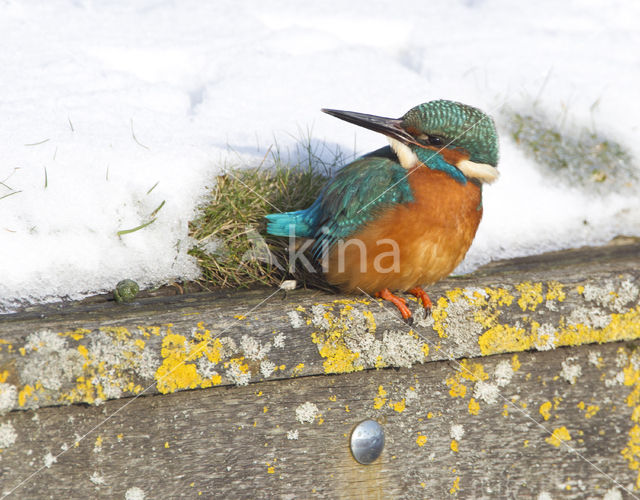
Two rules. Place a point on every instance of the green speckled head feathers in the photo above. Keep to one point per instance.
(461, 125)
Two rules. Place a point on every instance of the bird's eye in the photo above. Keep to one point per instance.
(434, 140)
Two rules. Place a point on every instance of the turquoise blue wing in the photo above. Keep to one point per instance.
(355, 196)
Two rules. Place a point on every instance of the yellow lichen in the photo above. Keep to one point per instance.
(25, 392)
(456, 485)
(331, 339)
(530, 295)
(545, 410)
(399, 406)
(515, 363)
(454, 445)
(421, 440)
(379, 401)
(590, 410)
(77, 334)
(505, 338)
(425, 350)
(83, 351)
(457, 390)
(559, 435)
(474, 407)
(439, 314)
(555, 291)
(472, 371)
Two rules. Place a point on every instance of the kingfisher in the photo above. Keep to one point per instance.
(403, 216)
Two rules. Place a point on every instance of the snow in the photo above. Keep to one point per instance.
(101, 101)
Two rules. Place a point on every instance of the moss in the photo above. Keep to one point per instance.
(230, 248)
(571, 154)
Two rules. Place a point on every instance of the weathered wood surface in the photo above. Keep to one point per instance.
(305, 346)
(91, 353)
(232, 442)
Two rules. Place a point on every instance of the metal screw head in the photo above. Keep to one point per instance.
(367, 441)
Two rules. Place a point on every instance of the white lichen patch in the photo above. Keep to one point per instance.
(56, 367)
(456, 432)
(8, 397)
(594, 358)
(588, 316)
(400, 349)
(228, 347)
(206, 369)
(617, 379)
(460, 324)
(49, 460)
(318, 318)
(551, 305)
(612, 493)
(410, 394)
(570, 372)
(49, 361)
(45, 340)
(8, 435)
(134, 493)
(120, 352)
(503, 373)
(278, 340)
(486, 392)
(237, 374)
(307, 412)
(97, 479)
(267, 368)
(295, 320)
(546, 337)
(253, 349)
(613, 295)
(293, 434)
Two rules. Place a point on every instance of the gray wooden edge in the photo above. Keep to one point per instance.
(484, 400)
(89, 353)
(559, 424)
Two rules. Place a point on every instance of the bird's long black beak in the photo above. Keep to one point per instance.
(391, 127)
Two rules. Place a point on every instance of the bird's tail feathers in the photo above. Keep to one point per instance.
(289, 224)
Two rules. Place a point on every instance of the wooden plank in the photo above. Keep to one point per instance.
(96, 351)
(232, 442)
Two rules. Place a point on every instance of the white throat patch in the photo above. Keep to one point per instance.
(481, 171)
(472, 170)
(408, 159)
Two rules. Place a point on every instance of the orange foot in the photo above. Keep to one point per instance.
(422, 295)
(399, 302)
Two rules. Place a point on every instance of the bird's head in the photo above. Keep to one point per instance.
(444, 135)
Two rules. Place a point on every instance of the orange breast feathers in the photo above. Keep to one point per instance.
(414, 244)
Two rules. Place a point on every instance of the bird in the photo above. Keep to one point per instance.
(404, 216)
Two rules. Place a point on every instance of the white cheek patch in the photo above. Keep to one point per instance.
(481, 171)
(408, 159)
